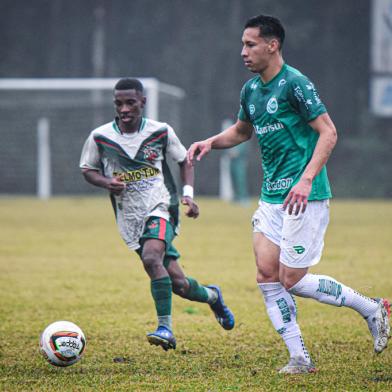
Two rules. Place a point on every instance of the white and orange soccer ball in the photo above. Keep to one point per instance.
(62, 343)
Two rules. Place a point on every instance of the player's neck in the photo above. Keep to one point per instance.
(130, 127)
(274, 67)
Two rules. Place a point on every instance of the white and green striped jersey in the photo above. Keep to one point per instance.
(280, 111)
(139, 160)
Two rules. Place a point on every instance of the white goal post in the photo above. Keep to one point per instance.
(152, 86)
(62, 111)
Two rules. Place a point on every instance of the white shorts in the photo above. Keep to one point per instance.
(300, 237)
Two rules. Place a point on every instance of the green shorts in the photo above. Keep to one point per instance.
(160, 229)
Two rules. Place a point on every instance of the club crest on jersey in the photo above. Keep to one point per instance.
(150, 154)
(272, 105)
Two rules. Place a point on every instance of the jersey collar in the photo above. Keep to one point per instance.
(278, 75)
(118, 130)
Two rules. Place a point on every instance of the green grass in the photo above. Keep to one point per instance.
(64, 259)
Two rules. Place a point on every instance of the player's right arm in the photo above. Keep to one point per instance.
(237, 133)
(90, 162)
(113, 185)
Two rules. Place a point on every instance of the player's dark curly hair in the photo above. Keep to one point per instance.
(269, 27)
(129, 84)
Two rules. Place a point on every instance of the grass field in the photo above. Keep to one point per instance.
(64, 259)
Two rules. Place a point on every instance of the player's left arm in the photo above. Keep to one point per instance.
(298, 195)
(177, 151)
(187, 177)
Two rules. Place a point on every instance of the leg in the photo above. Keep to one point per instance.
(152, 257)
(161, 290)
(301, 247)
(280, 305)
(327, 290)
(189, 288)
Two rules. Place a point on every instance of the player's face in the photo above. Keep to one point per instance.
(129, 106)
(256, 51)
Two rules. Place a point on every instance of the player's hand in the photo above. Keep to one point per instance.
(297, 199)
(198, 149)
(115, 185)
(193, 209)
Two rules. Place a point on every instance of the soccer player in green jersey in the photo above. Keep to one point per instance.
(127, 156)
(296, 136)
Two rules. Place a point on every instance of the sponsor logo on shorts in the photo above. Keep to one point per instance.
(255, 222)
(299, 249)
(153, 225)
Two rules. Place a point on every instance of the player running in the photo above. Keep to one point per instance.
(128, 157)
(296, 136)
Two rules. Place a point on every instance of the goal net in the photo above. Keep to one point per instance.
(44, 123)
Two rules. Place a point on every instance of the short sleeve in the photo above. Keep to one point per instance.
(305, 99)
(90, 158)
(175, 148)
(242, 113)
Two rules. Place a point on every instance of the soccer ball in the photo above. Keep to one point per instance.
(62, 343)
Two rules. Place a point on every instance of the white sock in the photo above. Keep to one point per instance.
(329, 291)
(282, 312)
(165, 321)
(212, 295)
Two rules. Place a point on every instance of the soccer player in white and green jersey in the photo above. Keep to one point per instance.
(127, 156)
(296, 136)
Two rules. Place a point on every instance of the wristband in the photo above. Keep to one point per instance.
(187, 190)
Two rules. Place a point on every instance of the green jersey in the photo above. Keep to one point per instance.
(280, 111)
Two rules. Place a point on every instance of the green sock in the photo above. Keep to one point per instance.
(196, 291)
(161, 290)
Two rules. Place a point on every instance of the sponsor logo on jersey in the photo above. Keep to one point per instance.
(316, 97)
(253, 86)
(283, 183)
(282, 82)
(252, 109)
(137, 175)
(272, 105)
(277, 126)
(299, 94)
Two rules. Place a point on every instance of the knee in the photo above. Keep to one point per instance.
(152, 262)
(288, 281)
(267, 275)
(267, 269)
